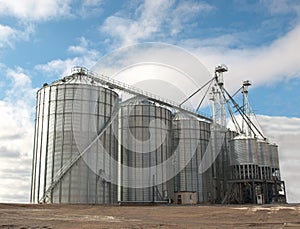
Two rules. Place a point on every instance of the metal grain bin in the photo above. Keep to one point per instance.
(75, 99)
(274, 156)
(274, 161)
(264, 159)
(243, 158)
(243, 151)
(190, 139)
(145, 130)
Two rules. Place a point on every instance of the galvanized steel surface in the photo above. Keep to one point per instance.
(193, 136)
(145, 142)
(243, 151)
(59, 105)
(264, 153)
(274, 156)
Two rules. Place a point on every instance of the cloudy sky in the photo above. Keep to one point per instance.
(41, 40)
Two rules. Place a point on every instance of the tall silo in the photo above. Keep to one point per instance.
(145, 132)
(221, 166)
(70, 113)
(190, 140)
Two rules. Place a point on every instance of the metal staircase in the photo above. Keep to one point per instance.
(67, 166)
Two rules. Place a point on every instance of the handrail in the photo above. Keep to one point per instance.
(113, 83)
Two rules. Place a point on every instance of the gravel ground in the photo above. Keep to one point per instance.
(197, 216)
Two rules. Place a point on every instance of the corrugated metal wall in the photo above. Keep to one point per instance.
(141, 152)
(264, 160)
(190, 139)
(59, 106)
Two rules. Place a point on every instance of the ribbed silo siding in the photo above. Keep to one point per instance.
(135, 119)
(58, 106)
(274, 156)
(204, 180)
(226, 160)
(194, 136)
(40, 143)
(275, 171)
(221, 165)
(206, 184)
(267, 155)
(243, 151)
(264, 160)
(244, 158)
(262, 153)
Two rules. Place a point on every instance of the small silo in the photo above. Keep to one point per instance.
(244, 158)
(274, 161)
(190, 140)
(69, 114)
(145, 132)
(264, 160)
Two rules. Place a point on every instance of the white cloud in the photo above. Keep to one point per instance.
(91, 2)
(150, 18)
(59, 68)
(281, 6)
(45, 10)
(9, 35)
(6, 35)
(262, 65)
(131, 30)
(90, 8)
(16, 137)
(285, 132)
(32, 10)
(15, 176)
(81, 48)
(185, 11)
(267, 64)
(29, 12)
(83, 56)
(19, 79)
(155, 67)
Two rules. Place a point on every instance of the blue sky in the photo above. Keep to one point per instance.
(41, 40)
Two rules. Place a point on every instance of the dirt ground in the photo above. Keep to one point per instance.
(92, 216)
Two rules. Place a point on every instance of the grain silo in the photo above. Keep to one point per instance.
(190, 140)
(92, 147)
(70, 113)
(244, 158)
(145, 130)
(264, 160)
(274, 161)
